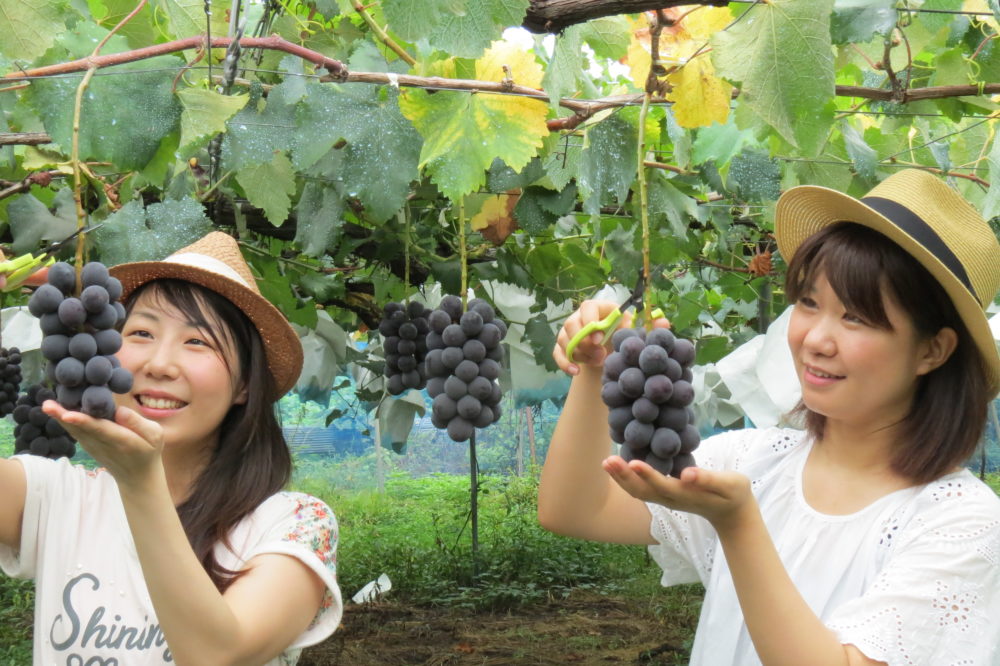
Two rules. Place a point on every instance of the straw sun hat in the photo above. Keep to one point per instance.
(928, 219)
(215, 262)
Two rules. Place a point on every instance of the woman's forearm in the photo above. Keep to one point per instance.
(198, 624)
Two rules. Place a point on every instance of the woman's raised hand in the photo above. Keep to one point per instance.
(593, 349)
(129, 447)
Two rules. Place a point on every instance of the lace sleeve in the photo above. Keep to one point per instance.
(937, 599)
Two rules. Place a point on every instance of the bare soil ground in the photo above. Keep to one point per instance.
(587, 628)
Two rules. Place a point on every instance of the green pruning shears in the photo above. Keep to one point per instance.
(610, 322)
(20, 268)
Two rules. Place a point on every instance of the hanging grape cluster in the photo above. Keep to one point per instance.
(10, 378)
(647, 388)
(36, 432)
(404, 339)
(79, 339)
(463, 363)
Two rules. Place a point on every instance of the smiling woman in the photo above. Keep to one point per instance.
(164, 553)
(860, 540)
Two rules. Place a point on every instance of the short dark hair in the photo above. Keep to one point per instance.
(945, 422)
(252, 460)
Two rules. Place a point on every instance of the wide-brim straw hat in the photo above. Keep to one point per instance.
(928, 219)
(215, 262)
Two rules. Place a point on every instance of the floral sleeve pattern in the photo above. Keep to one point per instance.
(315, 528)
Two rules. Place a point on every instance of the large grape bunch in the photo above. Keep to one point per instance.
(404, 340)
(36, 432)
(10, 378)
(463, 363)
(647, 388)
(79, 339)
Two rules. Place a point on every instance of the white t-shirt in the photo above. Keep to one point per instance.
(91, 602)
(911, 579)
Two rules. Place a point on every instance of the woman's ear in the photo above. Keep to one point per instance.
(936, 350)
(241, 396)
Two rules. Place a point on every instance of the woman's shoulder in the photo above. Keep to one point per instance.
(959, 505)
(62, 469)
(296, 507)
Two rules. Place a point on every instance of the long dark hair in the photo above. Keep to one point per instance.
(252, 460)
(945, 422)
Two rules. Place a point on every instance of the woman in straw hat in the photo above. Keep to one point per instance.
(184, 547)
(862, 539)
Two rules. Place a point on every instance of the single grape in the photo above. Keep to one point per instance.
(45, 300)
(661, 337)
(612, 396)
(95, 298)
(474, 350)
(619, 336)
(82, 346)
(689, 438)
(444, 407)
(121, 380)
(469, 408)
(630, 350)
(614, 364)
(638, 434)
(62, 276)
(483, 309)
(489, 368)
(70, 371)
(72, 314)
(632, 382)
(460, 429)
(658, 389)
(645, 410)
(653, 360)
(108, 342)
(665, 443)
(683, 352)
(454, 336)
(681, 462)
(683, 394)
(674, 418)
(94, 273)
(481, 388)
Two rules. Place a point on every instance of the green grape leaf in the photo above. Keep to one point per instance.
(502, 178)
(670, 205)
(563, 159)
(254, 135)
(468, 32)
(29, 27)
(140, 31)
(609, 36)
(319, 218)
(608, 164)
(530, 215)
(206, 112)
(860, 20)
(718, 143)
(566, 67)
(991, 203)
(755, 176)
(948, 9)
(413, 19)
(383, 148)
(782, 57)
(123, 118)
(620, 246)
(270, 186)
(541, 335)
(134, 233)
(187, 17)
(464, 133)
(863, 155)
(31, 222)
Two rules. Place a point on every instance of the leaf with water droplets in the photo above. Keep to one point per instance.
(206, 112)
(382, 148)
(755, 176)
(134, 233)
(270, 186)
(254, 134)
(139, 31)
(466, 31)
(782, 58)
(123, 118)
(318, 218)
(464, 133)
(608, 163)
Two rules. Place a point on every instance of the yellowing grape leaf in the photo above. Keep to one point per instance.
(464, 133)
(495, 220)
(699, 96)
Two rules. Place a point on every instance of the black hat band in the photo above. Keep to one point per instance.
(923, 233)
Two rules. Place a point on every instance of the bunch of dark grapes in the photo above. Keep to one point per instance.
(404, 340)
(463, 364)
(647, 388)
(79, 339)
(10, 378)
(36, 432)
